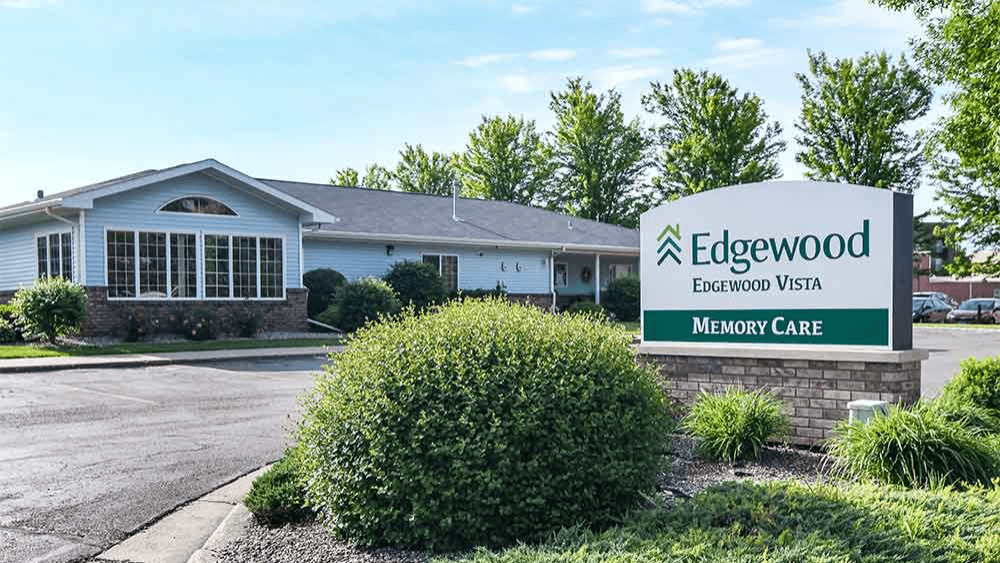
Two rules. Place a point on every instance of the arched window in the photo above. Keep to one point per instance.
(198, 204)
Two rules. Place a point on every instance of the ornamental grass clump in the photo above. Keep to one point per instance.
(483, 423)
(736, 424)
(914, 447)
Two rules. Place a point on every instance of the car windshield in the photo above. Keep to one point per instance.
(918, 302)
(975, 304)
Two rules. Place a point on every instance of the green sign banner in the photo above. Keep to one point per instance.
(837, 327)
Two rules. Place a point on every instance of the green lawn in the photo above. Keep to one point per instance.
(26, 351)
(788, 523)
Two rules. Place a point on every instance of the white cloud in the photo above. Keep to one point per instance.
(739, 44)
(522, 9)
(482, 60)
(858, 14)
(613, 77)
(553, 55)
(661, 22)
(516, 83)
(24, 3)
(636, 53)
(669, 7)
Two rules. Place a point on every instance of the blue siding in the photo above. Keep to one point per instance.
(19, 264)
(576, 263)
(137, 210)
(478, 268)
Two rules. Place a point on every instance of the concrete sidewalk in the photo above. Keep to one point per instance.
(194, 532)
(159, 359)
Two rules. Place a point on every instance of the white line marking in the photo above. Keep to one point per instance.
(123, 397)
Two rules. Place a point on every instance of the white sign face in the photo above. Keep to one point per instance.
(770, 263)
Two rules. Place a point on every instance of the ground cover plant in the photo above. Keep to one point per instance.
(483, 423)
(914, 447)
(787, 522)
(735, 424)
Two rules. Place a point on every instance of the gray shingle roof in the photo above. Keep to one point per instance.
(364, 212)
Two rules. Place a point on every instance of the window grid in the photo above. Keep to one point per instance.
(202, 205)
(244, 267)
(66, 250)
(447, 266)
(43, 257)
(152, 264)
(217, 266)
(271, 264)
(54, 261)
(121, 264)
(183, 266)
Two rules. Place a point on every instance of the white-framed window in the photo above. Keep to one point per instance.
(161, 265)
(560, 274)
(619, 270)
(447, 266)
(55, 255)
(198, 204)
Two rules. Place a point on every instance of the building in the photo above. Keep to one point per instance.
(206, 237)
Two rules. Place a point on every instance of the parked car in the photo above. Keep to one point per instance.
(940, 295)
(976, 311)
(929, 310)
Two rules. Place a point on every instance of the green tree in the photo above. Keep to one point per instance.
(505, 159)
(421, 172)
(960, 51)
(853, 117)
(377, 177)
(599, 158)
(346, 177)
(711, 136)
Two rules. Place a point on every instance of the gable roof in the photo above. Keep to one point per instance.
(366, 214)
(84, 196)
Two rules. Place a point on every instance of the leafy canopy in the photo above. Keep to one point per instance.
(421, 172)
(711, 135)
(505, 159)
(599, 158)
(854, 112)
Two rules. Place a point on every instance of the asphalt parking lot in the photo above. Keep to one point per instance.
(88, 456)
(948, 346)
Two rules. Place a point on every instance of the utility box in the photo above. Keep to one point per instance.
(864, 410)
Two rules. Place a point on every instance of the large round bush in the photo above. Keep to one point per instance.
(50, 307)
(622, 298)
(977, 382)
(323, 284)
(364, 300)
(484, 423)
(416, 283)
(914, 447)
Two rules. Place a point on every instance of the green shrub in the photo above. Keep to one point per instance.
(331, 316)
(483, 423)
(463, 294)
(276, 496)
(364, 300)
(416, 283)
(198, 324)
(51, 307)
(913, 447)
(977, 382)
(736, 424)
(10, 331)
(977, 419)
(323, 285)
(621, 299)
(586, 308)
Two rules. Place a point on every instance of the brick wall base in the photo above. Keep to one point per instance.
(112, 318)
(815, 391)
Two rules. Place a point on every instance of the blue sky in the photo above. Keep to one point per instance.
(295, 89)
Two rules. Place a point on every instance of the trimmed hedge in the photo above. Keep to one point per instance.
(323, 284)
(736, 424)
(416, 283)
(621, 299)
(586, 308)
(277, 496)
(360, 302)
(977, 382)
(484, 423)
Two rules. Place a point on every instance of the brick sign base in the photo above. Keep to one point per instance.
(815, 385)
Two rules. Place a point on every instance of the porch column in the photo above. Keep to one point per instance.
(597, 279)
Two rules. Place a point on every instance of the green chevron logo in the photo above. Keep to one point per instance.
(669, 245)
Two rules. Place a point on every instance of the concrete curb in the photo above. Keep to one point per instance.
(193, 532)
(26, 365)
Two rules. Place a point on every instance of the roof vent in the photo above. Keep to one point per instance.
(41, 194)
